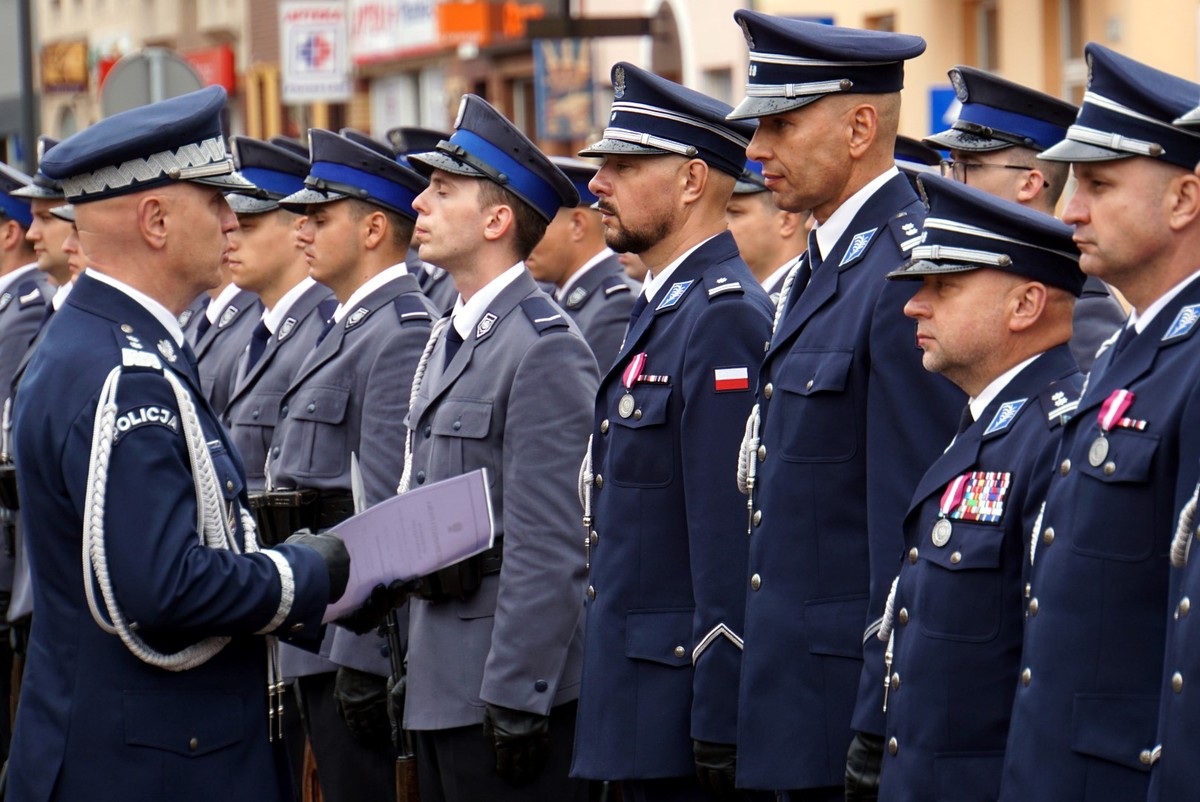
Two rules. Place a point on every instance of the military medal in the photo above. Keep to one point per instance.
(952, 496)
(627, 404)
(1111, 414)
(941, 532)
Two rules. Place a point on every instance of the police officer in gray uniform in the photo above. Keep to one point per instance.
(345, 405)
(588, 279)
(506, 384)
(435, 281)
(222, 333)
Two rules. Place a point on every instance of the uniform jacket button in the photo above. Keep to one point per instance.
(428, 431)
(275, 452)
(595, 537)
(755, 582)
(956, 558)
(1110, 468)
(757, 517)
(283, 411)
(1185, 605)
(903, 615)
(1177, 682)
(591, 593)
(598, 481)
(420, 477)
(896, 681)
(893, 745)
(312, 406)
(194, 744)
(912, 555)
(768, 391)
(604, 426)
(541, 685)
(229, 485)
(1065, 468)
(680, 651)
(1145, 757)
(297, 628)
(1048, 535)
(1033, 606)
(762, 453)
(1026, 677)
(255, 414)
(456, 425)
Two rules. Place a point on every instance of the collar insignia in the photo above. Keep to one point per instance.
(1005, 416)
(858, 245)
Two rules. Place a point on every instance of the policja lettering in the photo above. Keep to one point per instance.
(161, 416)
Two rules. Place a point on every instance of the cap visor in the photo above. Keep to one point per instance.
(1069, 150)
(1189, 120)
(952, 139)
(920, 268)
(607, 146)
(752, 107)
(748, 188)
(230, 182)
(246, 204)
(66, 212)
(300, 201)
(426, 163)
(38, 192)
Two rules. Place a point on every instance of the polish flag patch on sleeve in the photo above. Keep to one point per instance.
(731, 379)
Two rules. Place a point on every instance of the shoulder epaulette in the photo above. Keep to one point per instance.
(720, 281)
(543, 314)
(29, 293)
(1059, 402)
(906, 231)
(614, 285)
(410, 308)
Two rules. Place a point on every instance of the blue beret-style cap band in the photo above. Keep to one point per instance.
(516, 176)
(362, 185)
(16, 209)
(1009, 125)
(273, 181)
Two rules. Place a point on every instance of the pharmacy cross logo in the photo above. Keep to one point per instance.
(316, 52)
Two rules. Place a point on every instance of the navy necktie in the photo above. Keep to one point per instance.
(454, 341)
(258, 344)
(638, 307)
(49, 313)
(203, 326)
(190, 356)
(965, 420)
(1127, 334)
(325, 331)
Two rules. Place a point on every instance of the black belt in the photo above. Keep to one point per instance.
(462, 580)
(280, 513)
(8, 487)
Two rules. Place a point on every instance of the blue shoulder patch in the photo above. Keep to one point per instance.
(1183, 324)
(1004, 416)
(858, 246)
(543, 314)
(410, 308)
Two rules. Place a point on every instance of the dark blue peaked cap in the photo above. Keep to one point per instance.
(290, 143)
(343, 169)
(794, 62)
(486, 145)
(1129, 110)
(413, 139)
(580, 173)
(173, 140)
(999, 114)
(967, 229)
(12, 180)
(368, 141)
(42, 187)
(652, 116)
(276, 172)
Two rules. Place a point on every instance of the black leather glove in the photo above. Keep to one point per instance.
(395, 709)
(716, 766)
(333, 552)
(378, 606)
(362, 702)
(520, 741)
(863, 762)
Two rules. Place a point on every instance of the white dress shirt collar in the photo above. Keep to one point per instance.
(169, 321)
(829, 232)
(275, 315)
(217, 305)
(659, 280)
(369, 286)
(466, 315)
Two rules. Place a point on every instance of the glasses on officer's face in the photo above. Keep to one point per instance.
(958, 170)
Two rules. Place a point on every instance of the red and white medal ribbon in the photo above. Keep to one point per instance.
(1113, 410)
(633, 370)
(951, 498)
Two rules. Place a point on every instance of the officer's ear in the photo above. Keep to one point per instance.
(14, 235)
(497, 221)
(1027, 302)
(152, 221)
(579, 223)
(1184, 195)
(375, 229)
(695, 177)
(1032, 184)
(863, 124)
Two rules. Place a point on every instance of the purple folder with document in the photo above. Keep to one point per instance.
(415, 534)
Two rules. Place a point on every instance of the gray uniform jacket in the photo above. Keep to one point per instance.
(1097, 315)
(253, 409)
(600, 303)
(351, 395)
(221, 346)
(517, 399)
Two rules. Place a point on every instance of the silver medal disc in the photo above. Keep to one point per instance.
(626, 405)
(1098, 452)
(941, 532)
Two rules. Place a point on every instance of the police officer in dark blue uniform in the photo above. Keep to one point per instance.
(587, 276)
(993, 316)
(1087, 703)
(147, 675)
(268, 259)
(665, 528)
(994, 145)
(838, 411)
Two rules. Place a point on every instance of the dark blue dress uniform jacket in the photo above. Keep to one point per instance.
(959, 607)
(253, 409)
(667, 596)
(94, 721)
(850, 422)
(1086, 710)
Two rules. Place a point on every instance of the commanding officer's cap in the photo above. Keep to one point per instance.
(16, 208)
(652, 116)
(41, 186)
(999, 114)
(275, 171)
(750, 182)
(794, 62)
(485, 145)
(968, 229)
(1129, 110)
(172, 140)
(580, 173)
(343, 169)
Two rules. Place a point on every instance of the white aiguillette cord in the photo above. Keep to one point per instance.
(213, 527)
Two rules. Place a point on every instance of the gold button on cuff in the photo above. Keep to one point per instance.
(893, 745)
(912, 555)
(1048, 535)
(755, 582)
(604, 426)
(956, 558)
(680, 651)
(1065, 467)
(1026, 677)
(1177, 682)
(903, 615)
